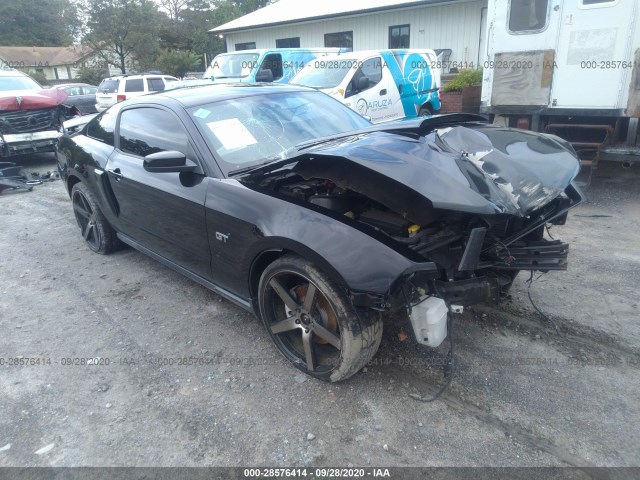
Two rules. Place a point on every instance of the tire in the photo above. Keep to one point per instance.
(425, 111)
(96, 231)
(325, 336)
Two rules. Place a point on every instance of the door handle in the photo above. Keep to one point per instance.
(383, 91)
(115, 173)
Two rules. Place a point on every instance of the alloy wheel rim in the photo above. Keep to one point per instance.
(85, 216)
(302, 321)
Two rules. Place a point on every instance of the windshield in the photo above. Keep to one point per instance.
(325, 73)
(234, 65)
(251, 130)
(18, 83)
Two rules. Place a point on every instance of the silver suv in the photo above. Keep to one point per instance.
(117, 89)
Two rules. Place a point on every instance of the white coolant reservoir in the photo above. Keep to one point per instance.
(429, 321)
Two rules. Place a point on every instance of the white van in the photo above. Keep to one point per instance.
(379, 84)
(277, 65)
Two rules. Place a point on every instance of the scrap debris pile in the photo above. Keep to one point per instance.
(14, 177)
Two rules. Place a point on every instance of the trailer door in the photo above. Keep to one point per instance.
(593, 54)
(522, 40)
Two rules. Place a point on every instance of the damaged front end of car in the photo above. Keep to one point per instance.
(31, 121)
(466, 203)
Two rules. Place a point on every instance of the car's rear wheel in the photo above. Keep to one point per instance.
(96, 231)
(313, 322)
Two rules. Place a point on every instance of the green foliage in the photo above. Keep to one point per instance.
(92, 76)
(42, 23)
(124, 32)
(128, 34)
(177, 63)
(466, 78)
(187, 28)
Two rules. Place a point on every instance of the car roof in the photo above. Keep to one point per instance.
(283, 50)
(65, 85)
(137, 75)
(10, 72)
(201, 94)
(370, 53)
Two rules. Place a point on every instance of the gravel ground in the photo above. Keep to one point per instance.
(525, 392)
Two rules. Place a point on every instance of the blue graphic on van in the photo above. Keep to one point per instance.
(415, 81)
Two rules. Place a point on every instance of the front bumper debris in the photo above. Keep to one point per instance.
(23, 143)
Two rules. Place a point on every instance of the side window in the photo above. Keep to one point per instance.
(339, 39)
(293, 42)
(399, 36)
(246, 46)
(273, 62)
(144, 131)
(368, 75)
(528, 15)
(134, 85)
(102, 127)
(89, 90)
(73, 91)
(596, 2)
(155, 84)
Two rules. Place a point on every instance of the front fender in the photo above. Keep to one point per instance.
(262, 223)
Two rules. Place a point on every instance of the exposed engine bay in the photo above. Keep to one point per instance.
(477, 256)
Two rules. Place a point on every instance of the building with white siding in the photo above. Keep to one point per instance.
(453, 27)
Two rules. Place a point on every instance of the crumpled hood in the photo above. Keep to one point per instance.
(477, 168)
(31, 99)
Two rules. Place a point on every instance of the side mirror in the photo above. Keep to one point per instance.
(265, 75)
(168, 162)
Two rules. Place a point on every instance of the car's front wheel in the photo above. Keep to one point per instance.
(96, 231)
(313, 322)
(425, 111)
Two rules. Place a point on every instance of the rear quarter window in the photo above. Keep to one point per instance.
(109, 86)
(134, 85)
(102, 127)
(155, 84)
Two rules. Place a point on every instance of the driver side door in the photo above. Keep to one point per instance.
(163, 212)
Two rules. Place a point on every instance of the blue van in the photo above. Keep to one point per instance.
(380, 84)
(277, 65)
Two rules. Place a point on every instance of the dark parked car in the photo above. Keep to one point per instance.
(81, 95)
(289, 204)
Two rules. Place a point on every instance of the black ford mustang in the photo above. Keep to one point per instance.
(289, 204)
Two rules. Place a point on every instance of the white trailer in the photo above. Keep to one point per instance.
(568, 67)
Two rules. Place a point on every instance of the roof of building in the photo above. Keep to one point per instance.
(294, 11)
(43, 56)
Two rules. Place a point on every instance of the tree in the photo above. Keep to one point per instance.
(196, 17)
(248, 6)
(42, 23)
(173, 8)
(177, 63)
(92, 76)
(124, 32)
